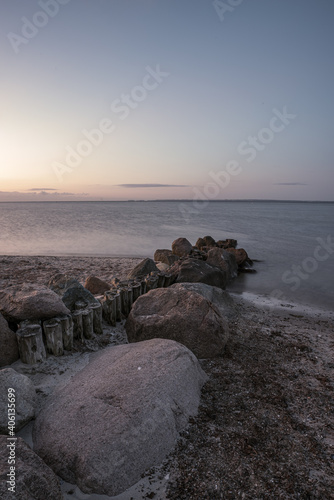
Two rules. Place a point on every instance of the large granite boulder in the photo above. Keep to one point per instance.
(198, 271)
(209, 241)
(144, 268)
(25, 399)
(221, 299)
(163, 267)
(30, 302)
(181, 247)
(71, 291)
(200, 243)
(240, 255)
(224, 260)
(31, 478)
(181, 315)
(9, 351)
(120, 415)
(96, 286)
(165, 256)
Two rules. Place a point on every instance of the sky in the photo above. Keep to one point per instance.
(166, 99)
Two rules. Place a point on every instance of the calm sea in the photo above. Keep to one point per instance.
(292, 240)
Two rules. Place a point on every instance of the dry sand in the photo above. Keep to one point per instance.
(265, 427)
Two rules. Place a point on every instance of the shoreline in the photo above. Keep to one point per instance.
(74, 255)
(270, 304)
(97, 265)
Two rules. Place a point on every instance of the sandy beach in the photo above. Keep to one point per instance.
(265, 426)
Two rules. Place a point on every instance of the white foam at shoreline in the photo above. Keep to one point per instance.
(272, 304)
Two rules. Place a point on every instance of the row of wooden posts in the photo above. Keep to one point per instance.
(117, 302)
(36, 338)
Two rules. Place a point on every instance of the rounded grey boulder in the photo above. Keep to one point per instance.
(25, 398)
(178, 314)
(8, 342)
(120, 415)
(181, 247)
(197, 271)
(144, 267)
(33, 479)
(30, 302)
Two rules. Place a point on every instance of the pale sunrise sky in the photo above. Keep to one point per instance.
(184, 92)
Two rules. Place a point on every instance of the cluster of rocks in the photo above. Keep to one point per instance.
(97, 431)
(48, 319)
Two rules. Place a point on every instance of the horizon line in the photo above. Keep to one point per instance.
(183, 200)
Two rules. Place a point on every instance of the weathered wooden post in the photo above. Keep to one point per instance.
(136, 291)
(161, 280)
(67, 331)
(87, 323)
(97, 318)
(168, 280)
(143, 286)
(106, 307)
(80, 305)
(124, 301)
(30, 322)
(30, 343)
(118, 307)
(54, 336)
(77, 325)
(130, 299)
(109, 307)
(151, 282)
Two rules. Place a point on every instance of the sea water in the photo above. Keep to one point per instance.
(292, 242)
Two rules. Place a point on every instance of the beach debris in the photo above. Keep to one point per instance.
(24, 394)
(34, 480)
(181, 315)
(129, 418)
